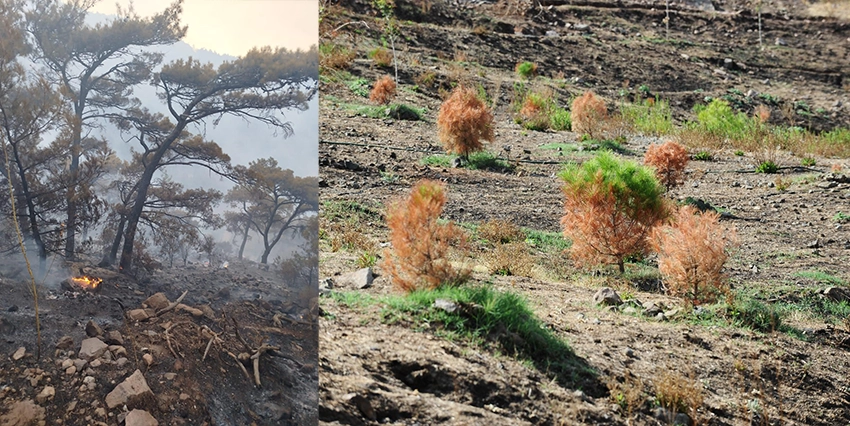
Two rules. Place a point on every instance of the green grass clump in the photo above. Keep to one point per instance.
(703, 156)
(719, 119)
(821, 277)
(739, 153)
(768, 167)
(651, 117)
(481, 160)
(808, 161)
(540, 111)
(526, 69)
(359, 86)
(487, 316)
(841, 217)
(755, 314)
(546, 241)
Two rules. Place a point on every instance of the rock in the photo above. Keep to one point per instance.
(80, 364)
(120, 362)
(780, 42)
(837, 294)
(813, 244)
(140, 418)
(629, 310)
(672, 312)
(19, 353)
(138, 314)
(157, 301)
(46, 394)
(65, 343)
(682, 419)
(114, 337)
(170, 376)
(362, 404)
(652, 309)
(361, 278)
(274, 412)
(23, 413)
(93, 330)
(70, 371)
(96, 363)
(446, 305)
(326, 285)
(148, 359)
(607, 296)
(581, 27)
(133, 391)
(92, 348)
(629, 352)
(67, 363)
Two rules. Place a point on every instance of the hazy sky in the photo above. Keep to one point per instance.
(233, 27)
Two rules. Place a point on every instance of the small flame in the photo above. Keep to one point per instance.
(86, 282)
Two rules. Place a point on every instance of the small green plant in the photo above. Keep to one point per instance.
(755, 314)
(359, 86)
(841, 217)
(539, 111)
(651, 117)
(718, 118)
(526, 69)
(767, 167)
(808, 161)
(397, 111)
(389, 177)
(739, 153)
(366, 260)
(703, 156)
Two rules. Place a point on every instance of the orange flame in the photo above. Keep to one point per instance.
(86, 282)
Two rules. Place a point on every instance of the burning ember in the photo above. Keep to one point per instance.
(86, 282)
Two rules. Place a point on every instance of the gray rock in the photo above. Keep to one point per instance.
(133, 391)
(607, 296)
(630, 310)
(92, 348)
(46, 394)
(361, 278)
(446, 305)
(326, 285)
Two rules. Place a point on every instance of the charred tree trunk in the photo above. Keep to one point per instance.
(244, 240)
(112, 255)
(125, 266)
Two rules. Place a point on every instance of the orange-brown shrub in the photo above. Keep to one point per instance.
(691, 254)
(611, 207)
(464, 121)
(383, 91)
(420, 245)
(669, 160)
(588, 114)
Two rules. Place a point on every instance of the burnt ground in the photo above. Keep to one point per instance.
(372, 370)
(242, 303)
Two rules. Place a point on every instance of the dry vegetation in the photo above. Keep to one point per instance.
(691, 254)
(419, 258)
(669, 160)
(383, 91)
(464, 122)
(588, 115)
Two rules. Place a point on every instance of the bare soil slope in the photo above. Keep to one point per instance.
(375, 370)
